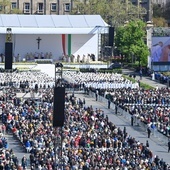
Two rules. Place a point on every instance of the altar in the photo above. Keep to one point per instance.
(62, 35)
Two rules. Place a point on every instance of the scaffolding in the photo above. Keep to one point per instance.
(58, 140)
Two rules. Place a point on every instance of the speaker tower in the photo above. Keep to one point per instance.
(58, 108)
(8, 55)
(8, 50)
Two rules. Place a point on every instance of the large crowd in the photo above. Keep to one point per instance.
(90, 140)
(149, 106)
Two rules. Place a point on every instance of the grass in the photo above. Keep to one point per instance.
(143, 85)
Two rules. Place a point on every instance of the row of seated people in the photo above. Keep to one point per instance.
(78, 58)
(8, 159)
(134, 100)
(29, 56)
(90, 140)
(36, 55)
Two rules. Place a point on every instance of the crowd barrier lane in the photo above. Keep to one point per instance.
(156, 134)
(126, 115)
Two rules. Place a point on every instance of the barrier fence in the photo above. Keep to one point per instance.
(136, 120)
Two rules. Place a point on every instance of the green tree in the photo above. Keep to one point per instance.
(157, 11)
(16, 11)
(160, 22)
(167, 11)
(5, 6)
(129, 40)
(114, 12)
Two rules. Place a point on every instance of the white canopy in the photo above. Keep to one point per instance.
(52, 24)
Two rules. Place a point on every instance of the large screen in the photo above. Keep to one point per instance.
(160, 51)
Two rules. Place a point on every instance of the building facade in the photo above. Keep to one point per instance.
(62, 7)
(40, 7)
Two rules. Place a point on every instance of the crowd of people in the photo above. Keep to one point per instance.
(89, 139)
(162, 78)
(149, 106)
(98, 80)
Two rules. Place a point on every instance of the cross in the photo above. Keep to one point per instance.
(38, 41)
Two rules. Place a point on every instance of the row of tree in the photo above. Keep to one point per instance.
(114, 12)
(129, 38)
(161, 17)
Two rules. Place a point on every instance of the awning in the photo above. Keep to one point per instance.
(18, 30)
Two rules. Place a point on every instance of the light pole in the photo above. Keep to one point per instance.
(149, 30)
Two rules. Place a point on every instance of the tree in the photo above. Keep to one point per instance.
(160, 22)
(16, 11)
(129, 40)
(5, 6)
(114, 12)
(157, 11)
(167, 11)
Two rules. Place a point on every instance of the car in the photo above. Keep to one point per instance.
(115, 66)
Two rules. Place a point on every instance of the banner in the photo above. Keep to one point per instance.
(69, 44)
(63, 44)
(160, 51)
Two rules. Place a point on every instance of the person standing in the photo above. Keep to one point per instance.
(140, 74)
(169, 146)
(149, 132)
(109, 102)
(97, 93)
(116, 109)
(147, 144)
(132, 120)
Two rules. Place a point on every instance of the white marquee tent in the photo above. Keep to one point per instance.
(58, 34)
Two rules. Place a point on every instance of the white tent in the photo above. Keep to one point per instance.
(58, 34)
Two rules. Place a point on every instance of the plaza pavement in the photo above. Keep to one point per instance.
(139, 133)
(158, 147)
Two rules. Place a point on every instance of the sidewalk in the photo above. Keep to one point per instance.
(145, 79)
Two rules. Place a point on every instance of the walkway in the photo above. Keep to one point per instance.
(145, 79)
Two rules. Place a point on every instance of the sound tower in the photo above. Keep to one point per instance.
(8, 55)
(111, 36)
(58, 108)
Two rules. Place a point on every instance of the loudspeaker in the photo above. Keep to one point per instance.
(8, 55)
(58, 108)
(111, 36)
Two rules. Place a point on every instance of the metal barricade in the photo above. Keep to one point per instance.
(156, 134)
